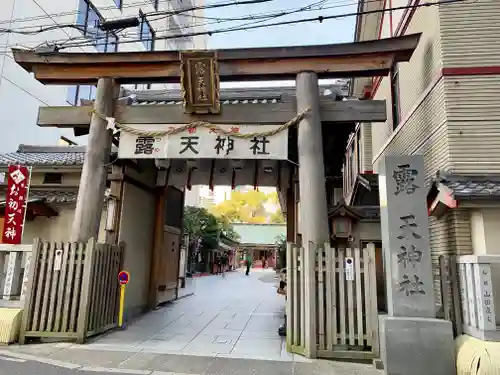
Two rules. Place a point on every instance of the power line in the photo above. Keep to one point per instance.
(246, 26)
(204, 7)
(132, 5)
(75, 12)
(42, 28)
(283, 23)
(261, 17)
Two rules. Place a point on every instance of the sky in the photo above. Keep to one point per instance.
(328, 32)
(332, 31)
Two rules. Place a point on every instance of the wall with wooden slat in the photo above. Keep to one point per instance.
(470, 33)
(473, 113)
(423, 133)
(366, 147)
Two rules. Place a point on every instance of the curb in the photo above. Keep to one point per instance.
(76, 367)
(185, 296)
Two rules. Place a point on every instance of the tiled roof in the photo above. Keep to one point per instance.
(471, 187)
(49, 196)
(230, 95)
(40, 155)
(259, 234)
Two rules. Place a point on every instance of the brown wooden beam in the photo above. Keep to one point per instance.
(371, 58)
(277, 113)
(116, 177)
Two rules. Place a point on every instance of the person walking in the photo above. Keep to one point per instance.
(225, 261)
(218, 264)
(249, 264)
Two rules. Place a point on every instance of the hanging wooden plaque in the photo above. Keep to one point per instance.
(200, 82)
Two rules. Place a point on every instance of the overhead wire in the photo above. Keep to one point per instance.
(292, 22)
(42, 28)
(113, 7)
(253, 25)
(257, 16)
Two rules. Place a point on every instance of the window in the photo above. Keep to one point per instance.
(52, 178)
(358, 150)
(146, 32)
(352, 176)
(104, 41)
(76, 93)
(89, 18)
(395, 94)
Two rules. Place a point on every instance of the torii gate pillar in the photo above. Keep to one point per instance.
(90, 200)
(312, 193)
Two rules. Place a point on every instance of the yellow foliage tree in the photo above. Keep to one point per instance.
(248, 207)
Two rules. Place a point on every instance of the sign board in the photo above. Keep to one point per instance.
(200, 82)
(349, 269)
(58, 260)
(18, 179)
(204, 143)
(123, 277)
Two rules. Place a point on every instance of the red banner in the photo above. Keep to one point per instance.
(15, 204)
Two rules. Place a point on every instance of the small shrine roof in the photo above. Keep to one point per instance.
(469, 187)
(259, 234)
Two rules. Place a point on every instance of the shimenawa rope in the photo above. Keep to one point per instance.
(215, 128)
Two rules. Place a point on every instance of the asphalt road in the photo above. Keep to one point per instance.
(16, 366)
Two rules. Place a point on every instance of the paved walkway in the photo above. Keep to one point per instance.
(237, 316)
(229, 326)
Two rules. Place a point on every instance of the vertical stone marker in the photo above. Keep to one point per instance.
(406, 242)
(413, 341)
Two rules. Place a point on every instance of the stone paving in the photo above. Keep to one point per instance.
(237, 316)
(229, 326)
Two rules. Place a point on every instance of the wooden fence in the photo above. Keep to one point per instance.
(341, 302)
(72, 290)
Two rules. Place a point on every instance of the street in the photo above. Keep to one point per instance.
(17, 366)
(229, 326)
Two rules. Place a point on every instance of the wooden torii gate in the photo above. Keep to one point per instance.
(305, 65)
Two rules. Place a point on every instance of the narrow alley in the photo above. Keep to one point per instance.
(236, 316)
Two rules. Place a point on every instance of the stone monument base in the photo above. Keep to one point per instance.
(417, 346)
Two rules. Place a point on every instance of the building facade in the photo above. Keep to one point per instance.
(18, 89)
(444, 104)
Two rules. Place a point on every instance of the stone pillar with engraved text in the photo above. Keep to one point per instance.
(411, 331)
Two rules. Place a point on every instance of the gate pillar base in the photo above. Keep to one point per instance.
(416, 346)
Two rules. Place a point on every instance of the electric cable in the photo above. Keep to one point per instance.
(246, 26)
(293, 22)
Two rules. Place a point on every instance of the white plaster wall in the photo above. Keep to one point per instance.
(57, 228)
(486, 241)
(477, 233)
(21, 95)
(484, 231)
